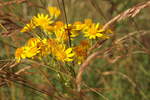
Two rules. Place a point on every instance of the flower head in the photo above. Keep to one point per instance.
(54, 12)
(85, 44)
(25, 52)
(93, 31)
(78, 26)
(58, 25)
(80, 54)
(30, 52)
(42, 20)
(28, 27)
(32, 42)
(88, 22)
(19, 54)
(62, 31)
(63, 54)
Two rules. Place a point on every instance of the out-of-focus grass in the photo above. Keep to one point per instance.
(122, 74)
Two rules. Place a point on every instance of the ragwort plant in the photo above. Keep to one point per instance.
(55, 35)
(65, 44)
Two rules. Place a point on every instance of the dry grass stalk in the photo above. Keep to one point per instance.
(131, 12)
(8, 65)
(122, 39)
(96, 45)
(11, 2)
(23, 70)
(86, 63)
(83, 66)
(121, 74)
(6, 77)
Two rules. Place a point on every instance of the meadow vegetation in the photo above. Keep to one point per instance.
(74, 50)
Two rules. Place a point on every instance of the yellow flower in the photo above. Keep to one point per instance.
(32, 42)
(80, 54)
(49, 28)
(88, 22)
(26, 52)
(85, 44)
(42, 20)
(71, 29)
(60, 32)
(40, 44)
(19, 54)
(63, 30)
(78, 25)
(43, 48)
(28, 27)
(58, 25)
(30, 52)
(47, 46)
(61, 35)
(52, 44)
(54, 12)
(93, 31)
(63, 54)
(81, 51)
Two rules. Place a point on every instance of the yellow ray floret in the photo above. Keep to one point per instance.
(42, 20)
(62, 31)
(78, 26)
(28, 27)
(81, 51)
(88, 22)
(93, 31)
(80, 54)
(54, 12)
(32, 42)
(20, 54)
(63, 54)
(30, 52)
(25, 52)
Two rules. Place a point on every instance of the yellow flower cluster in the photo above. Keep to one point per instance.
(55, 36)
(37, 48)
(29, 50)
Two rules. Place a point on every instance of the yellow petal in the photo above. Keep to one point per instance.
(99, 35)
(68, 59)
(68, 50)
(71, 55)
(101, 30)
